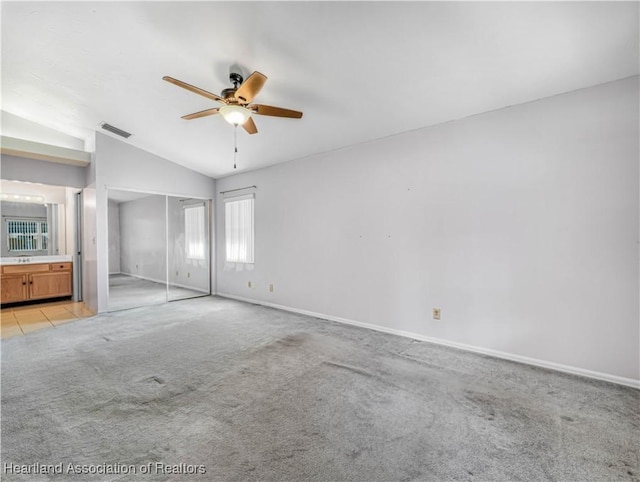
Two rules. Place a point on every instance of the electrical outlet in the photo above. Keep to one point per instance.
(271, 288)
(249, 284)
(436, 313)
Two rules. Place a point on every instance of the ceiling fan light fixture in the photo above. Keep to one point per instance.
(235, 114)
(237, 108)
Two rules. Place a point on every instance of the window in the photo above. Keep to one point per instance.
(194, 231)
(238, 224)
(27, 235)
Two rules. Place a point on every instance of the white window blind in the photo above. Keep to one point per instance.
(27, 235)
(195, 236)
(238, 223)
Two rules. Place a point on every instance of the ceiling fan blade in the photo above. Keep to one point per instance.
(250, 87)
(250, 126)
(275, 111)
(194, 89)
(202, 113)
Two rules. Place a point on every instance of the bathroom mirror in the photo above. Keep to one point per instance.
(32, 229)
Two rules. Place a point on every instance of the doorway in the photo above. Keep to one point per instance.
(42, 223)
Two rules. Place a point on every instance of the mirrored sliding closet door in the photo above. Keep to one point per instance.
(159, 248)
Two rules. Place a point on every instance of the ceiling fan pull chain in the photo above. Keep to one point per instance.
(235, 144)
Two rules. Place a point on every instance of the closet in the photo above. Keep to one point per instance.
(159, 248)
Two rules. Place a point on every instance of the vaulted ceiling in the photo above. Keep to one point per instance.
(359, 70)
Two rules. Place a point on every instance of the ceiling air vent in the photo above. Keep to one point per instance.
(115, 130)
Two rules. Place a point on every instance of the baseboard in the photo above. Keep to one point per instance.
(628, 382)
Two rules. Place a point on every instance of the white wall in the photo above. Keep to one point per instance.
(89, 233)
(120, 165)
(113, 212)
(143, 238)
(520, 224)
(32, 170)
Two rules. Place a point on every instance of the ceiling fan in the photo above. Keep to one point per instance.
(237, 108)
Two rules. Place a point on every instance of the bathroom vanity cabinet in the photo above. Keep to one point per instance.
(23, 282)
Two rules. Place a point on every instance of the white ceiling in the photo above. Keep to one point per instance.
(359, 70)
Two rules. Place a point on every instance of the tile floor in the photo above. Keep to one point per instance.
(20, 320)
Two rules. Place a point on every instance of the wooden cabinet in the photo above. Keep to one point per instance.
(35, 281)
(13, 288)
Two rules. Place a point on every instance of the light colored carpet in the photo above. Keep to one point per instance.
(253, 393)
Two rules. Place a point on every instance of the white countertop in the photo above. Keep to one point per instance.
(35, 259)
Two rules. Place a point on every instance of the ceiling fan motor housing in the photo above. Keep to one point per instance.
(229, 94)
(236, 79)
